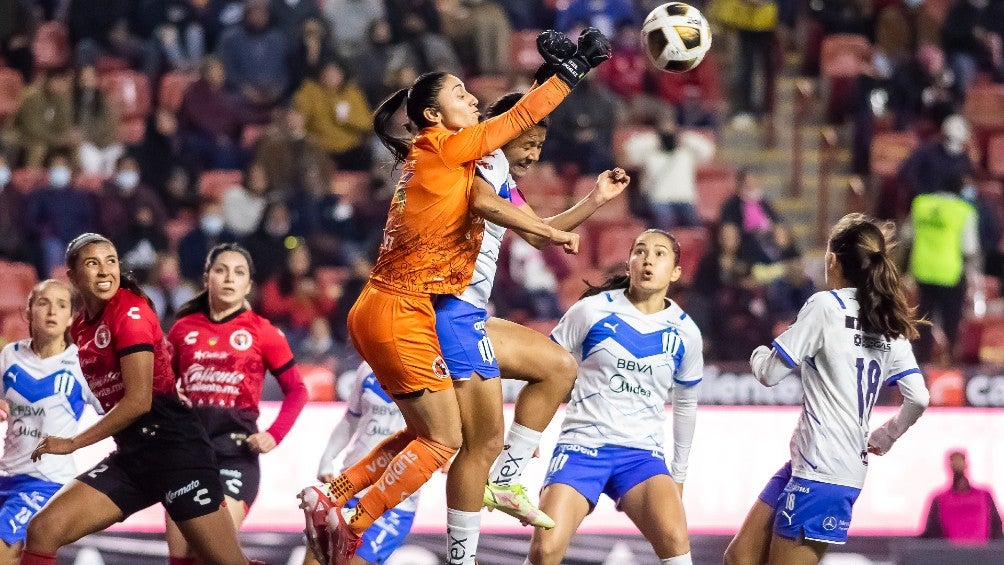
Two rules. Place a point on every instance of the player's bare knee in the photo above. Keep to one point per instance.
(735, 556)
(545, 550)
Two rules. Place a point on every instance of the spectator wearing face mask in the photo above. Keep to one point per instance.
(668, 161)
(121, 196)
(255, 55)
(194, 246)
(58, 213)
(244, 205)
(99, 149)
(12, 206)
(267, 244)
(938, 164)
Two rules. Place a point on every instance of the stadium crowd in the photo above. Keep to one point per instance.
(173, 125)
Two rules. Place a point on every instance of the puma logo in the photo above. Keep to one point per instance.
(790, 517)
(612, 327)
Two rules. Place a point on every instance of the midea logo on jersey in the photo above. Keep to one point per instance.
(618, 383)
(241, 340)
(102, 336)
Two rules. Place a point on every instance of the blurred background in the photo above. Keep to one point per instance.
(172, 125)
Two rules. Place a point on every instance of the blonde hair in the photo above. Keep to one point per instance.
(38, 289)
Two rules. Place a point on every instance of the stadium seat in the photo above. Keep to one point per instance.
(523, 53)
(51, 46)
(889, 149)
(570, 288)
(13, 326)
(16, 281)
(611, 241)
(352, 186)
(172, 89)
(27, 179)
(995, 156)
(693, 243)
(319, 380)
(332, 277)
(107, 64)
(213, 183)
(985, 106)
(992, 341)
(11, 85)
(842, 55)
(542, 183)
(615, 210)
(715, 184)
(129, 92)
(542, 326)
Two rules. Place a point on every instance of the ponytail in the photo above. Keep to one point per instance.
(616, 280)
(195, 305)
(381, 125)
(862, 248)
(421, 95)
(128, 281)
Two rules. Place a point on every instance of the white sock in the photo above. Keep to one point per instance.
(462, 532)
(678, 560)
(516, 453)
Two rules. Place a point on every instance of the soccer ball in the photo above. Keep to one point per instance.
(676, 37)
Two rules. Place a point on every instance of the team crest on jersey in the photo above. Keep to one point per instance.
(241, 340)
(671, 341)
(102, 336)
(440, 369)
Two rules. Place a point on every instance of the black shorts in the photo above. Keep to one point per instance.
(162, 457)
(241, 476)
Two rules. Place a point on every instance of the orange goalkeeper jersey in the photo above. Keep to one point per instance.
(431, 240)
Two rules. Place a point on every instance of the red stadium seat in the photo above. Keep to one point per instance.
(13, 326)
(16, 281)
(27, 179)
(251, 134)
(992, 341)
(51, 46)
(542, 326)
(611, 242)
(621, 136)
(995, 156)
(213, 183)
(331, 278)
(523, 55)
(985, 106)
(570, 288)
(129, 93)
(715, 184)
(615, 210)
(843, 54)
(541, 184)
(693, 243)
(11, 85)
(108, 64)
(90, 181)
(889, 149)
(172, 89)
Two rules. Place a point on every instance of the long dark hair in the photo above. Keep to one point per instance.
(618, 277)
(126, 278)
(424, 93)
(200, 302)
(862, 246)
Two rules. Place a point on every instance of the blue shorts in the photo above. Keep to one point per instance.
(385, 535)
(21, 497)
(814, 511)
(462, 338)
(611, 470)
(772, 492)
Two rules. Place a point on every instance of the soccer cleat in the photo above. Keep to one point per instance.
(316, 503)
(513, 501)
(343, 541)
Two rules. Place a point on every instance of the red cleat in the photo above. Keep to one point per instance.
(343, 540)
(315, 504)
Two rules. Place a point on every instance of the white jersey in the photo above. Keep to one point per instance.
(628, 363)
(379, 418)
(46, 397)
(495, 170)
(843, 370)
